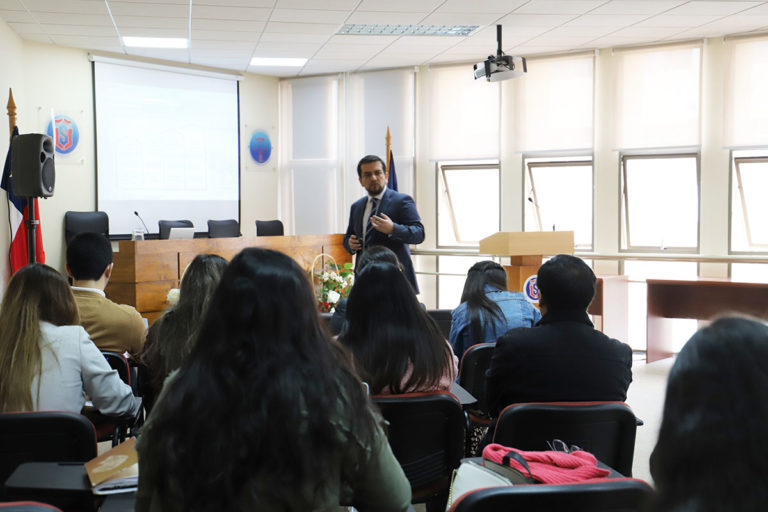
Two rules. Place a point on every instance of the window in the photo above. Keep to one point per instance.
(468, 203)
(749, 210)
(660, 202)
(559, 197)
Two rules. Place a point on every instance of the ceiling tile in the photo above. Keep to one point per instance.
(221, 63)
(223, 35)
(285, 50)
(336, 5)
(16, 16)
(582, 30)
(550, 39)
(665, 20)
(155, 32)
(712, 8)
(650, 33)
(760, 9)
(38, 38)
(607, 20)
(68, 6)
(451, 18)
(396, 61)
(73, 19)
(228, 25)
(11, 5)
(172, 54)
(385, 18)
(324, 67)
(88, 42)
(309, 16)
(204, 53)
(76, 30)
(277, 37)
(648, 7)
(230, 13)
(124, 22)
(399, 5)
(335, 51)
(535, 20)
(224, 46)
(489, 6)
(425, 43)
(355, 40)
(147, 9)
(559, 6)
(178, 2)
(487, 36)
(301, 28)
(235, 3)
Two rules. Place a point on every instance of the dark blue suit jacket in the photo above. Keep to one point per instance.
(408, 228)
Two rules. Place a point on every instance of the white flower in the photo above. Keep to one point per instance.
(339, 279)
(173, 296)
(326, 276)
(333, 296)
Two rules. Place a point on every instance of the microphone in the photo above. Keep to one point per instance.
(146, 229)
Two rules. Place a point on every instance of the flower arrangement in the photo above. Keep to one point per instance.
(335, 283)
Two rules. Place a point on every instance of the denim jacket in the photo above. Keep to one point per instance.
(518, 312)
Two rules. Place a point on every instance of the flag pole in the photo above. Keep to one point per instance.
(389, 147)
(11, 113)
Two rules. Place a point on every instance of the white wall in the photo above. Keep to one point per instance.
(46, 76)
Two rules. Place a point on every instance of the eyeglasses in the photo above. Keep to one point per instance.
(378, 173)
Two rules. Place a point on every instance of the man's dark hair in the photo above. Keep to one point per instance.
(376, 253)
(88, 255)
(368, 159)
(566, 282)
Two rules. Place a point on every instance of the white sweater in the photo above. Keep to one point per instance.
(71, 365)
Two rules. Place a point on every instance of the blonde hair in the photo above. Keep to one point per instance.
(35, 293)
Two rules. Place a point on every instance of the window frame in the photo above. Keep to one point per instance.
(735, 181)
(624, 221)
(532, 161)
(440, 168)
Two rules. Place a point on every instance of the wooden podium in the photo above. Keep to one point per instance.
(525, 251)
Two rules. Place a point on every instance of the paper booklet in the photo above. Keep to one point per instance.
(115, 471)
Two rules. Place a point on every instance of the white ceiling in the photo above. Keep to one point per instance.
(227, 33)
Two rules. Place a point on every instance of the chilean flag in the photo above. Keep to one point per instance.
(18, 214)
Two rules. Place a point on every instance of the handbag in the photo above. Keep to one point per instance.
(477, 473)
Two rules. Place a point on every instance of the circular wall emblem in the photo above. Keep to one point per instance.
(67, 134)
(260, 147)
(530, 290)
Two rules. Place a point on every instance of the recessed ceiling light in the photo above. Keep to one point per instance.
(406, 30)
(278, 61)
(155, 42)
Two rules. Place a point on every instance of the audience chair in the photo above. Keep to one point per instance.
(443, 318)
(44, 436)
(269, 228)
(27, 506)
(605, 429)
(615, 495)
(229, 228)
(166, 225)
(426, 433)
(85, 222)
(110, 428)
(474, 362)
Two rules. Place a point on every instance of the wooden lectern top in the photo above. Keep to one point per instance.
(532, 243)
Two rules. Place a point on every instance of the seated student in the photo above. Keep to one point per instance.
(396, 346)
(47, 361)
(711, 452)
(487, 308)
(562, 358)
(111, 326)
(265, 413)
(169, 339)
(373, 253)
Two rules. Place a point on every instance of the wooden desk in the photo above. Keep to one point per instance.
(701, 299)
(146, 269)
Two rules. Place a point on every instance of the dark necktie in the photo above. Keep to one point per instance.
(369, 229)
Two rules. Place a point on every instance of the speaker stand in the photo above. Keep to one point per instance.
(32, 226)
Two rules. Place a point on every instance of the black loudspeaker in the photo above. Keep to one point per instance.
(32, 165)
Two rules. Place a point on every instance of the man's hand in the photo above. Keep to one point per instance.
(354, 243)
(382, 223)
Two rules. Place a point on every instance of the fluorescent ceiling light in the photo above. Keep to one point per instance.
(278, 61)
(406, 30)
(155, 42)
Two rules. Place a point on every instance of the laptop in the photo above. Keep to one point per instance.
(181, 234)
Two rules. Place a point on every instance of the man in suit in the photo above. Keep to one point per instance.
(563, 357)
(111, 326)
(384, 217)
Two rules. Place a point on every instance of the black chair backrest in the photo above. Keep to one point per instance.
(269, 228)
(605, 429)
(474, 362)
(166, 225)
(117, 361)
(27, 506)
(85, 222)
(617, 495)
(223, 228)
(45, 436)
(443, 319)
(426, 433)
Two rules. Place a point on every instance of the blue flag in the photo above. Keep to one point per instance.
(392, 183)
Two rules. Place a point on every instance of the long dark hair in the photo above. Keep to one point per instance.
(480, 308)
(256, 399)
(176, 328)
(388, 330)
(712, 448)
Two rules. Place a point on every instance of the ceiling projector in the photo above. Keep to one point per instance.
(500, 67)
